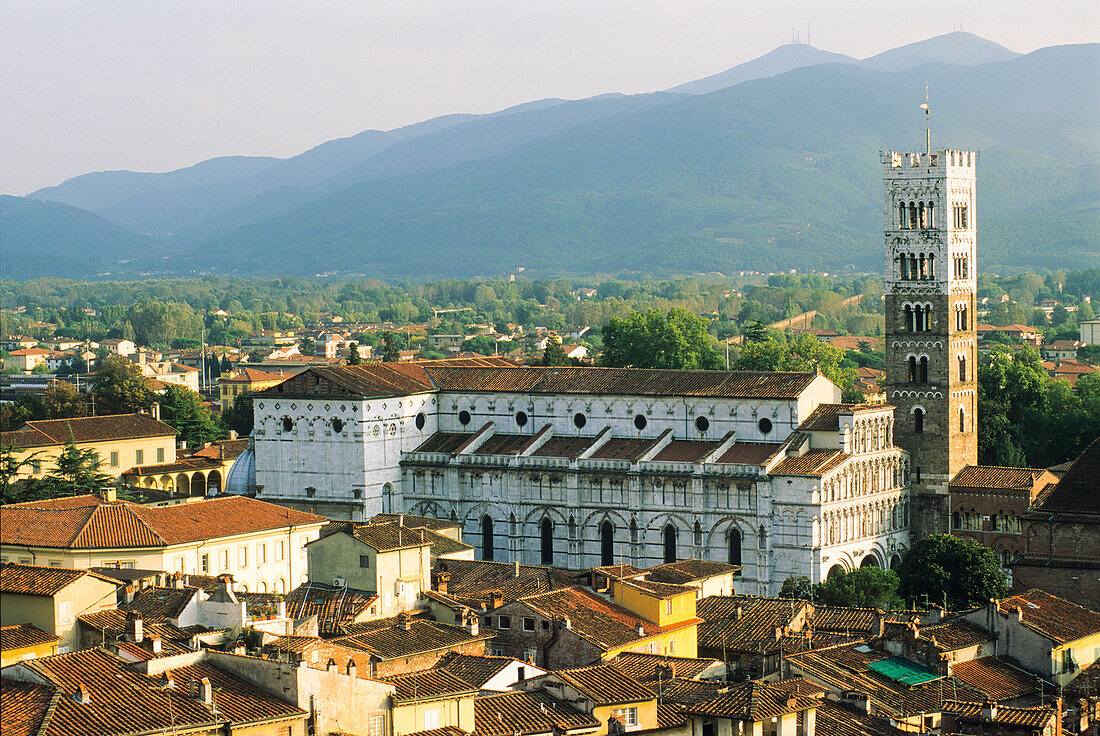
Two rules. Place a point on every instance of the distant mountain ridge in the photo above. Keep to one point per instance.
(668, 181)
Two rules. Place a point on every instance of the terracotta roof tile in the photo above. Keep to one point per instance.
(21, 636)
(504, 444)
(836, 720)
(752, 629)
(753, 701)
(686, 571)
(686, 692)
(685, 451)
(569, 447)
(659, 590)
(429, 684)
(421, 637)
(46, 432)
(1078, 492)
(814, 462)
(842, 619)
(24, 706)
(594, 619)
(996, 678)
(605, 684)
(749, 453)
(956, 634)
(1053, 617)
(644, 667)
(990, 476)
(624, 448)
(476, 670)
(1036, 717)
(154, 602)
(334, 607)
(44, 581)
(127, 525)
(528, 712)
(482, 579)
(446, 442)
(415, 522)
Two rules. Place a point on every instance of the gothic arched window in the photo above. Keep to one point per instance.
(962, 367)
(924, 369)
(607, 543)
(670, 543)
(912, 369)
(902, 216)
(547, 534)
(918, 420)
(909, 318)
(698, 534)
(487, 543)
(735, 547)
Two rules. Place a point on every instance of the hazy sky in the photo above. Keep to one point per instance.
(153, 85)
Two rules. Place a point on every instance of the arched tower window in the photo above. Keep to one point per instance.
(931, 220)
(735, 547)
(698, 534)
(547, 534)
(908, 318)
(912, 266)
(962, 367)
(912, 215)
(931, 265)
(924, 369)
(962, 419)
(670, 543)
(918, 420)
(487, 543)
(922, 224)
(902, 216)
(918, 318)
(633, 531)
(912, 369)
(607, 543)
(572, 527)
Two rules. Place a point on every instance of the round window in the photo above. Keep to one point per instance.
(579, 420)
(288, 424)
(702, 424)
(337, 426)
(464, 417)
(640, 421)
(765, 425)
(421, 420)
(521, 418)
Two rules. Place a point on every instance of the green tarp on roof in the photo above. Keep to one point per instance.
(903, 671)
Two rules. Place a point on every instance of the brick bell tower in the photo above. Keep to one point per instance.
(931, 340)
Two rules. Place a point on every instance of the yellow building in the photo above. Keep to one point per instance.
(263, 546)
(122, 441)
(25, 641)
(244, 381)
(665, 604)
(605, 692)
(431, 699)
(202, 472)
(51, 598)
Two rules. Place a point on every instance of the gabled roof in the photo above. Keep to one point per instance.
(1054, 618)
(429, 684)
(373, 380)
(1035, 717)
(24, 706)
(43, 581)
(154, 602)
(127, 525)
(844, 619)
(474, 669)
(813, 463)
(1078, 492)
(658, 590)
(334, 607)
(388, 536)
(753, 701)
(997, 679)
(826, 417)
(21, 636)
(605, 684)
(528, 712)
(603, 624)
(688, 571)
(754, 628)
(481, 579)
(644, 667)
(122, 700)
(50, 432)
(421, 637)
(956, 634)
(991, 476)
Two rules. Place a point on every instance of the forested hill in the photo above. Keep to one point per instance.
(774, 173)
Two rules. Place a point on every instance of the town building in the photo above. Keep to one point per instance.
(1090, 332)
(245, 380)
(27, 359)
(121, 440)
(988, 505)
(262, 545)
(25, 641)
(51, 599)
(931, 342)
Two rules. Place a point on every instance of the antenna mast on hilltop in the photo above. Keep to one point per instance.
(927, 122)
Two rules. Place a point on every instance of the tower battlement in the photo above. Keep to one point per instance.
(918, 163)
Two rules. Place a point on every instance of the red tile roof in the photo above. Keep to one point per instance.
(996, 678)
(991, 476)
(1053, 617)
(753, 701)
(127, 525)
(44, 581)
(528, 712)
(429, 685)
(1036, 717)
(643, 667)
(48, 432)
(22, 636)
(592, 618)
(749, 453)
(24, 706)
(605, 684)
(1078, 492)
(685, 451)
(814, 462)
(687, 571)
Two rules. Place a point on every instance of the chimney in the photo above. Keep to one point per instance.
(128, 593)
(167, 681)
(232, 434)
(665, 672)
(401, 520)
(566, 622)
(154, 643)
(498, 599)
(134, 627)
(639, 629)
(441, 580)
(177, 580)
(227, 581)
(206, 691)
(989, 710)
(1020, 614)
(108, 494)
(515, 569)
(155, 410)
(880, 623)
(82, 694)
(351, 668)
(404, 621)
(473, 625)
(740, 612)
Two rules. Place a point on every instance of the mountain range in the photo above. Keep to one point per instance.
(772, 164)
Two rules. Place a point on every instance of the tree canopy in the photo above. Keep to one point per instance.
(864, 587)
(182, 408)
(120, 388)
(967, 573)
(655, 339)
(802, 352)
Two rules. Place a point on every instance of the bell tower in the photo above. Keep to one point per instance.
(931, 340)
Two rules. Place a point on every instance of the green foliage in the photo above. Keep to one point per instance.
(964, 571)
(182, 409)
(864, 587)
(61, 400)
(1026, 419)
(240, 416)
(392, 345)
(803, 352)
(654, 339)
(119, 388)
(354, 358)
(11, 466)
(797, 586)
(554, 353)
(76, 472)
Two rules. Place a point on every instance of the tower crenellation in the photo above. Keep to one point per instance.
(930, 225)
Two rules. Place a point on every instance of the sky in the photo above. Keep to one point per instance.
(155, 85)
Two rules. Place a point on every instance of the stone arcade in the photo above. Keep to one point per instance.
(578, 467)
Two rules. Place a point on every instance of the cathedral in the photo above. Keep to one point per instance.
(580, 467)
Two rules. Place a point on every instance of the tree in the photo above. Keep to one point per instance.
(240, 416)
(61, 400)
(755, 331)
(354, 358)
(864, 587)
(554, 354)
(76, 472)
(182, 408)
(797, 586)
(964, 571)
(11, 465)
(801, 353)
(119, 388)
(391, 348)
(654, 339)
